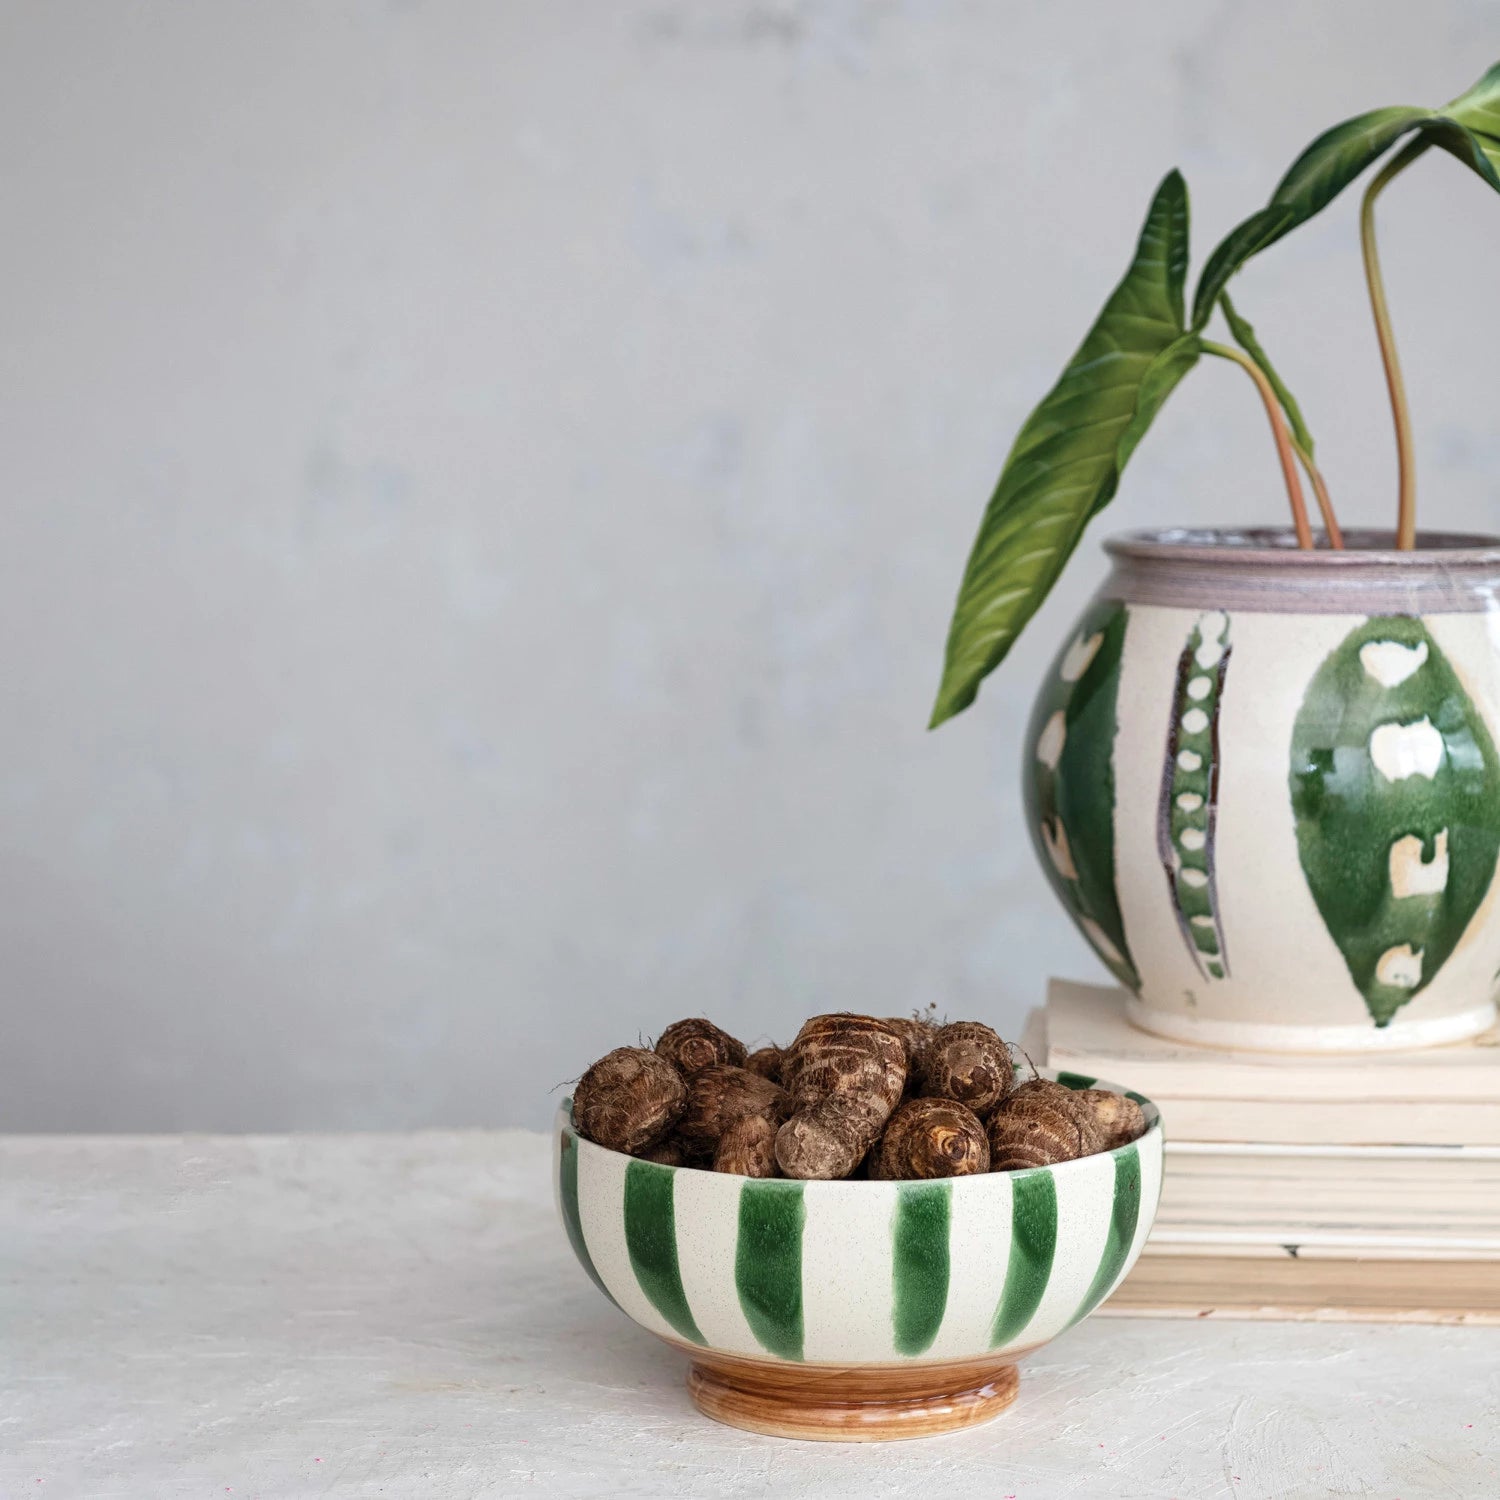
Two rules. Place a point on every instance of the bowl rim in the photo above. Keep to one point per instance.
(853, 1184)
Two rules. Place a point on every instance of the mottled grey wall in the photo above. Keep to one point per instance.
(483, 486)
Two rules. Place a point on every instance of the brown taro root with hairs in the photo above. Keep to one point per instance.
(767, 1062)
(966, 1061)
(845, 1073)
(915, 1033)
(1037, 1125)
(697, 1043)
(931, 1138)
(671, 1152)
(844, 1054)
(890, 1099)
(748, 1147)
(829, 1139)
(629, 1100)
(719, 1095)
(1060, 1096)
(1118, 1119)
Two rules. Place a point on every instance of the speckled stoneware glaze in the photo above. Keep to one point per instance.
(856, 1311)
(1264, 783)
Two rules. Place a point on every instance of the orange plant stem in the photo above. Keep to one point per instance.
(1406, 462)
(1325, 503)
(1279, 431)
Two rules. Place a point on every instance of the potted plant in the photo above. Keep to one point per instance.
(1262, 772)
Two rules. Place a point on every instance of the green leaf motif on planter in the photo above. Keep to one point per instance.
(1070, 782)
(1395, 788)
(1188, 812)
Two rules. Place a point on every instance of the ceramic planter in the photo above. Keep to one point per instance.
(1265, 785)
(856, 1310)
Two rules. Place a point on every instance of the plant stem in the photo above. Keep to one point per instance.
(1279, 431)
(1320, 489)
(1406, 506)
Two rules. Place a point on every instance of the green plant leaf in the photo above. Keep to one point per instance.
(1468, 128)
(1478, 108)
(1244, 335)
(1247, 238)
(1159, 381)
(1065, 464)
(1312, 182)
(1480, 153)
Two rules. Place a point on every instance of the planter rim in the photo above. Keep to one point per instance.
(1261, 569)
(1274, 549)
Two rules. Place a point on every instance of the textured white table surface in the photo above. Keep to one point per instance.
(401, 1316)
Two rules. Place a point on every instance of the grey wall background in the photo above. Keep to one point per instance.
(483, 487)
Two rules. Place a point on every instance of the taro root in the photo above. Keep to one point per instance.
(931, 1138)
(629, 1100)
(717, 1096)
(1088, 1120)
(1033, 1127)
(767, 1062)
(1119, 1120)
(914, 1035)
(696, 1043)
(845, 1074)
(966, 1061)
(748, 1146)
(1059, 1096)
(845, 1054)
(671, 1152)
(830, 1138)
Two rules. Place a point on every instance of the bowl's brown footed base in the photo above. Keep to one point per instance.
(864, 1404)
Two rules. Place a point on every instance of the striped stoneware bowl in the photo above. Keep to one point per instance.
(856, 1309)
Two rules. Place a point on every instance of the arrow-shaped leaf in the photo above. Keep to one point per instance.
(1065, 464)
(1468, 128)
(1478, 109)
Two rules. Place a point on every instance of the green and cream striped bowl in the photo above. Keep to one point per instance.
(858, 1272)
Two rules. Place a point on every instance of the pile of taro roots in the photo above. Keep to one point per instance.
(852, 1096)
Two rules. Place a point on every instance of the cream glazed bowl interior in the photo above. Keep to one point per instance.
(857, 1310)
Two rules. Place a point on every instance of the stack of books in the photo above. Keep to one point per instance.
(1303, 1186)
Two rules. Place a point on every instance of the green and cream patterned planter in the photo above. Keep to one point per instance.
(787, 1291)
(1264, 783)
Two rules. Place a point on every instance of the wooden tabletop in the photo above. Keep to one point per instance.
(400, 1316)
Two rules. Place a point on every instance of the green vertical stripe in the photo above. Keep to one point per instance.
(651, 1237)
(567, 1197)
(768, 1264)
(1074, 799)
(1122, 1222)
(1033, 1243)
(919, 1263)
(1075, 1080)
